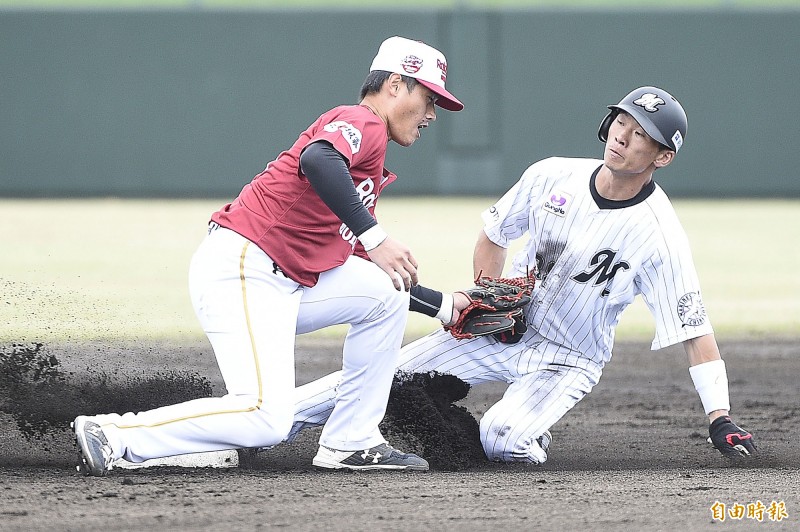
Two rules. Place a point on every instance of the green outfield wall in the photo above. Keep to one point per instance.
(193, 104)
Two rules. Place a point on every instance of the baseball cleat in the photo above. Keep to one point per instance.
(383, 456)
(96, 454)
(545, 440)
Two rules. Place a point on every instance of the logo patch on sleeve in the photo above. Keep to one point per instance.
(558, 203)
(350, 133)
(691, 310)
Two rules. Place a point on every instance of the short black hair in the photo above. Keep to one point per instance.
(375, 80)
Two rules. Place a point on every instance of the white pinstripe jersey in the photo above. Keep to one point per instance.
(593, 256)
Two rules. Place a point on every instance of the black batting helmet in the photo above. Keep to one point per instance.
(656, 110)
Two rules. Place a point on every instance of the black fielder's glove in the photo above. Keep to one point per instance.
(730, 439)
(496, 307)
(513, 334)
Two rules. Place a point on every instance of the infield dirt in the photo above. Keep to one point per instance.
(631, 456)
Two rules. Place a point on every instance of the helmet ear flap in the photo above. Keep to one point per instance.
(602, 132)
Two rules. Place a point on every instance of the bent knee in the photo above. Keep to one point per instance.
(388, 301)
(267, 427)
(396, 300)
(502, 443)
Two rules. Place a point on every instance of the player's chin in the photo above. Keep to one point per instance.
(612, 159)
(413, 135)
(406, 142)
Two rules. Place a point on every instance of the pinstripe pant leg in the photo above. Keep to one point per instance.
(529, 407)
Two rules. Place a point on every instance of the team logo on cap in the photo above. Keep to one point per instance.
(411, 64)
(649, 101)
(442, 68)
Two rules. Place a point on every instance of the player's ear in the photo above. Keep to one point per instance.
(395, 81)
(664, 157)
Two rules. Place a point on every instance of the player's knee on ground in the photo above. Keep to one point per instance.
(502, 443)
(268, 426)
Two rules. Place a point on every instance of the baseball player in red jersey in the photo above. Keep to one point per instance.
(298, 250)
(600, 232)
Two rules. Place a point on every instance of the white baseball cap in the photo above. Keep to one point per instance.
(417, 60)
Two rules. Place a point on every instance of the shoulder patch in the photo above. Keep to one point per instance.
(350, 133)
(691, 310)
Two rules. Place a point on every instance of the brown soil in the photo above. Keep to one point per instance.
(631, 456)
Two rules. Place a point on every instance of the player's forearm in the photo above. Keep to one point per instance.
(444, 307)
(488, 259)
(709, 375)
(432, 303)
(702, 349)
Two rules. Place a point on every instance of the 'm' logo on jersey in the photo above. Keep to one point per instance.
(350, 133)
(650, 102)
(691, 310)
(602, 269)
(558, 203)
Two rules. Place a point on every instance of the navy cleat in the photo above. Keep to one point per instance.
(383, 456)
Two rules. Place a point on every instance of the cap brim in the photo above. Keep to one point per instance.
(445, 99)
(643, 120)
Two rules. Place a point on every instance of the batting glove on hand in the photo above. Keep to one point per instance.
(729, 439)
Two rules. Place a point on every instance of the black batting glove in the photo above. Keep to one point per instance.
(729, 439)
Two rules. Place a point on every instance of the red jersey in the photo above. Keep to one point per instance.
(282, 214)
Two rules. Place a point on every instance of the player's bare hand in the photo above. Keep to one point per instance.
(460, 302)
(396, 260)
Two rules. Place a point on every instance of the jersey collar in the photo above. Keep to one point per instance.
(604, 203)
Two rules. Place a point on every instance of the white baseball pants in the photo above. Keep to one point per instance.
(251, 312)
(545, 382)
